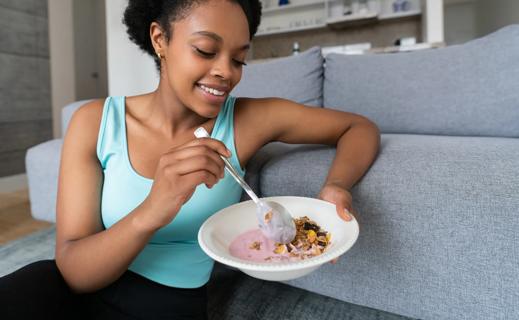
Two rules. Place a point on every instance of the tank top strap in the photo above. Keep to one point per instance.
(111, 134)
(223, 130)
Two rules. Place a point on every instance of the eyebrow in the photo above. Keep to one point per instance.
(216, 37)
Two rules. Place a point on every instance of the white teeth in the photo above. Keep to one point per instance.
(212, 91)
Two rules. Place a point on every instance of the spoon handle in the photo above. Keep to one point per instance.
(202, 133)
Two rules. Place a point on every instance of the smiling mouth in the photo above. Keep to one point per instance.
(214, 92)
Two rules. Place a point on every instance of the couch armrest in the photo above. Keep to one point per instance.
(42, 165)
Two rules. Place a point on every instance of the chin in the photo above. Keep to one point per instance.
(207, 111)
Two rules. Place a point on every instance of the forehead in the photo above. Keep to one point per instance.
(223, 17)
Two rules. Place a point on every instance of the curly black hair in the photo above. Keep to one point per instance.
(139, 15)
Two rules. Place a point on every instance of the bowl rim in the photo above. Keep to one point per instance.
(278, 266)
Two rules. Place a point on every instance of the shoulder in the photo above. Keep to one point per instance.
(264, 117)
(88, 113)
(85, 122)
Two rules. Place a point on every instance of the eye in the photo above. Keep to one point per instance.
(203, 53)
(239, 63)
(210, 55)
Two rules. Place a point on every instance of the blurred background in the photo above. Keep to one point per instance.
(58, 51)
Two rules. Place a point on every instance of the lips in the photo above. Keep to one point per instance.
(213, 94)
(215, 89)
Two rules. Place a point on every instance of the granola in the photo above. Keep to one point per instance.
(310, 241)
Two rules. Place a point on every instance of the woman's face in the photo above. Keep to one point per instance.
(203, 60)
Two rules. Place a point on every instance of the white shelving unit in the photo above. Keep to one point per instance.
(297, 16)
(410, 13)
(313, 14)
(291, 6)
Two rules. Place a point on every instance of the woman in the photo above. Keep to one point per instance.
(135, 185)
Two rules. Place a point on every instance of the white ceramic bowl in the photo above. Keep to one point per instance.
(217, 233)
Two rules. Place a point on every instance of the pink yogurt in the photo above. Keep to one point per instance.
(241, 247)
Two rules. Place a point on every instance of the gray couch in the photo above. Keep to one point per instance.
(438, 210)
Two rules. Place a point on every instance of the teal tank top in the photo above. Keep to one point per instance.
(172, 257)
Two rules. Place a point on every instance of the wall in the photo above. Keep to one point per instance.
(25, 109)
(90, 49)
(495, 14)
(62, 62)
(130, 70)
(469, 19)
(460, 21)
(78, 53)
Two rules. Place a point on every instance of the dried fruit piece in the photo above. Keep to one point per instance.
(268, 217)
(311, 236)
(256, 245)
(280, 249)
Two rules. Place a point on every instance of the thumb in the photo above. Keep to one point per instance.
(342, 212)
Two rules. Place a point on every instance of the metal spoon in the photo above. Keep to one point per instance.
(274, 220)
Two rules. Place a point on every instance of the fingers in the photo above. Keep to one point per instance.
(200, 177)
(197, 163)
(203, 154)
(195, 151)
(214, 144)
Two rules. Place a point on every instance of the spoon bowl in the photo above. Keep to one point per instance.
(275, 221)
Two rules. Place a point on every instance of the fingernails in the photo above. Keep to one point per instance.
(347, 215)
(228, 153)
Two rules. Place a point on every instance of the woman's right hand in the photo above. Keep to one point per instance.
(179, 172)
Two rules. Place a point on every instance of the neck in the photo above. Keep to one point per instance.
(167, 114)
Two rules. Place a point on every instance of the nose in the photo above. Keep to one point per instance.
(222, 68)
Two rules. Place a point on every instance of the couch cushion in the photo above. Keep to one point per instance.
(260, 158)
(438, 225)
(469, 89)
(298, 78)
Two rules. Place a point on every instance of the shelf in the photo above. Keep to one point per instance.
(287, 30)
(288, 7)
(347, 20)
(410, 13)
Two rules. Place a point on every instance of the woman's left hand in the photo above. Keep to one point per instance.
(342, 200)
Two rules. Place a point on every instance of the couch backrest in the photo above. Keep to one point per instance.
(298, 78)
(469, 89)
(67, 111)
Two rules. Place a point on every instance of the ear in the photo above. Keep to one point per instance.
(158, 38)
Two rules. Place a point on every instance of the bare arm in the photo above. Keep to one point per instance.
(88, 256)
(356, 138)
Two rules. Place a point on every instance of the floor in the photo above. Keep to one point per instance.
(15, 216)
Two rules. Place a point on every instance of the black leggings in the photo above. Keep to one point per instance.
(38, 291)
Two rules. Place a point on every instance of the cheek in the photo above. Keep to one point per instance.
(184, 73)
(237, 77)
